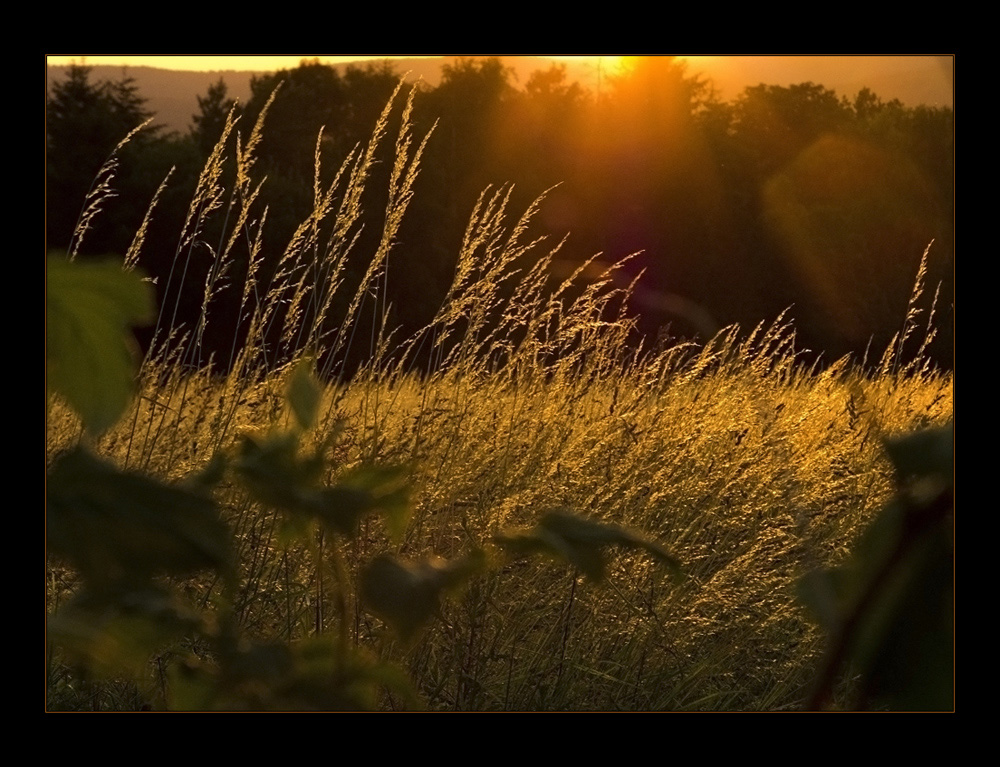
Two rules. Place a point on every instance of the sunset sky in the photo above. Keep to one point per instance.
(927, 79)
(222, 62)
(211, 62)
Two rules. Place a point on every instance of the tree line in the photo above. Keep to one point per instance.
(784, 196)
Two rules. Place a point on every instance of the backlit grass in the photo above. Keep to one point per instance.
(747, 465)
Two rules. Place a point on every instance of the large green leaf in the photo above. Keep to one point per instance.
(927, 455)
(582, 542)
(122, 527)
(366, 489)
(273, 470)
(407, 594)
(118, 632)
(889, 608)
(280, 477)
(89, 354)
(304, 394)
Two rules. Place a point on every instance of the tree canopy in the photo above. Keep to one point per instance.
(786, 195)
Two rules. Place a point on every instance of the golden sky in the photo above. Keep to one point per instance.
(219, 62)
(223, 62)
(914, 79)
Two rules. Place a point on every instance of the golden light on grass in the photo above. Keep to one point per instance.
(744, 463)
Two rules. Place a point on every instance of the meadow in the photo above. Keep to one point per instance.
(525, 395)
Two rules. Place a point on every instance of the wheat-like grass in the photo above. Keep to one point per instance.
(747, 464)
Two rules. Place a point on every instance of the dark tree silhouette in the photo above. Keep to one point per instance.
(85, 121)
(213, 110)
(311, 96)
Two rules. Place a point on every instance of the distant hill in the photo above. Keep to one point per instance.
(172, 95)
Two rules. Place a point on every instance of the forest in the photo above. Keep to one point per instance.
(788, 198)
(375, 396)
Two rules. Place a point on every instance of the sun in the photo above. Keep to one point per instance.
(607, 64)
(612, 65)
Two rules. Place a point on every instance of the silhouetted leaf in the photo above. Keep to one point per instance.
(582, 542)
(192, 686)
(279, 477)
(925, 454)
(889, 608)
(89, 355)
(118, 526)
(407, 595)
(118, 632)
(206, 479)
(381, 489)
(309, 675)
(304, 394)
(275, 472)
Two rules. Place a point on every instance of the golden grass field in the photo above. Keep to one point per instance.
(748, 466)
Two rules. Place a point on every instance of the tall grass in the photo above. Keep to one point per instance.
(748, 465)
